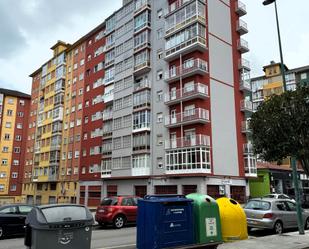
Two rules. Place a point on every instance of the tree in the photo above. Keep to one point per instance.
(280, 127)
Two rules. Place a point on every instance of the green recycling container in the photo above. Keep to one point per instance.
(206, 219)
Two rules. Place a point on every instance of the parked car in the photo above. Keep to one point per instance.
(12, 219)
(275, 214)
(117, 211)
(278, 196)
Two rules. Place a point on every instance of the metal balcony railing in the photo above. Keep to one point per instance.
(241, 9)
(242, 27)
(189, 116)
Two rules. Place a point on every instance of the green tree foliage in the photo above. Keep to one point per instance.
(280, 127)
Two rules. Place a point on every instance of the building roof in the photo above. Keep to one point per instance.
(272, 166)
(13, 93)
(293, 70)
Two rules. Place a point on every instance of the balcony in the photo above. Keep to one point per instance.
(196, 66)
(242, 27)
(248, 149)
(52, 178)
(142, 68)
(108, 97)
(141, 85)
(250, 166)
(242, 46)
(188, 161)
(143, 6)
(246, 105)
(240, 8)
(178, 5)
(106, 170)
(193, 116)
(245, 127)
(107, 148)
(184, 142)
(245, 84)
(244, 64)
(198, 90)
(196, 43)
(109, 80)
(107, 115)
(142, 171)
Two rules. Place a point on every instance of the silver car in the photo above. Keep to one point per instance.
(275, 214)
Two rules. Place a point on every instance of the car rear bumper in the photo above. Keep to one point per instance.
(104, 218)
(260, 223)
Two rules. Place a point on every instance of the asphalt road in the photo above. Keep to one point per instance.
(109, 238)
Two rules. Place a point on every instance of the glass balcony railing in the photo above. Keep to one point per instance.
(191, 141)
(245, 127)
(241, 8)
(242, 27)
(248, 149)
(246, 105)
(242, 46)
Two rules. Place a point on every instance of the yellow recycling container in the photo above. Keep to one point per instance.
(233, 220)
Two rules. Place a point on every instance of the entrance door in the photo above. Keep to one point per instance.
(141, 191)
(238, 193)
(173, 140)
(173, 93)
(173, 117)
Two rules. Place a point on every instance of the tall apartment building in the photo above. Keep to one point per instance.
(14, 110)
(271, 82)
(153, 101)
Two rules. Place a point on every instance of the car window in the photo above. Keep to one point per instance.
(127, 202)
(136, 200)
(25, 209)
(109, 201)
(9, 210)
(281, 206)
(269, 196)
(290, 206)
(258, 205)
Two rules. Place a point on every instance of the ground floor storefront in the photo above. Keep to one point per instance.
(91, 193)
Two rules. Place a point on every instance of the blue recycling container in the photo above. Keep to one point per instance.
(164, 221)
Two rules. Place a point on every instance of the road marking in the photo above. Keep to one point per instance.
(114, 247)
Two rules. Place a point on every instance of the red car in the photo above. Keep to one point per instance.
(117, 211)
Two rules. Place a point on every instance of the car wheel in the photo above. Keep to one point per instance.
(119, 221)
(1, 233)
(307, 224)
(278, 227)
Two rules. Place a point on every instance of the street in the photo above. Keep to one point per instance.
(109, 238)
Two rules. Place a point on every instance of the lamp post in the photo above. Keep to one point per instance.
(293, 159)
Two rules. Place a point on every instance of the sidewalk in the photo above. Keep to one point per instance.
(286, 241)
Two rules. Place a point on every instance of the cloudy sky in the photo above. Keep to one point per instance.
(28, 28)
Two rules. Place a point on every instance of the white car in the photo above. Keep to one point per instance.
(279, 196)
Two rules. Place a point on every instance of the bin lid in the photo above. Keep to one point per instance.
(166, 198)
(51, 214)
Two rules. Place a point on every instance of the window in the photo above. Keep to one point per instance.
(126, 140)
(142, 20)
(10, 101)
(20, 114)
(117, 123)
(15, 162)
(117, 143)
(82, 62)
(160, 33)
(303, 76)
(159, 139)
(141, 120)
(76, 154)
(21, 102)
(127, 121)
(4, 162)
(7, 136)
(160, 13)
(14, 175)
(160, 162)
(8, 125)
(160, 75)
(141, 161)
(9, 112)
(141, 99)
(16, 149)
(159, 96)
(13, 187)
(159, 117)
(5, 149)
(160, 54)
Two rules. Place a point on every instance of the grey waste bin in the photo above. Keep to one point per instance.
(59, 226)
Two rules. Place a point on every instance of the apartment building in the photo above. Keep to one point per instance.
(271, 82)
(175, 107)
(153, 101)
(14, 110)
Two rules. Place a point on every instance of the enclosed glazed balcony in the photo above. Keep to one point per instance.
(192, 67)
(246, 105)
(108, 97)
(248, 149)
(140, 6)
(142, 68)
(245, 82)
(242, 46)
(193, 116)
(241, 27)
(245, 127)
(106, 168)
(250, 166)
(197, 90)
(191, 141)
(107, 114)
(240, 8)
(244, 65)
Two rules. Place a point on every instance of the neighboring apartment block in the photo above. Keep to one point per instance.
(271, 82)
(153, 100)
(14, 110)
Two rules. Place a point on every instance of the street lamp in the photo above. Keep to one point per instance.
(267, 2)
(293, 159)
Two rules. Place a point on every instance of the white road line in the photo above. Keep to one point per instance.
(114, 247)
